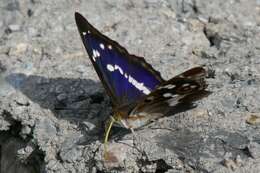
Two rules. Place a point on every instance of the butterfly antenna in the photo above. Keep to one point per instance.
(108, 129)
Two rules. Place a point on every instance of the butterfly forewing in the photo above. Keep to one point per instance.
(127, 78)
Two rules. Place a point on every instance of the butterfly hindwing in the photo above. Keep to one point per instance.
(126, 77)
(186, 87)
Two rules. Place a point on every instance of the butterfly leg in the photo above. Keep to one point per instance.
(135, 137)
(132, 130)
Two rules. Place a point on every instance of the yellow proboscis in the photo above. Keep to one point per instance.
(108, 129)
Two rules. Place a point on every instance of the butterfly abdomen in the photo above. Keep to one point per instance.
(136, 121)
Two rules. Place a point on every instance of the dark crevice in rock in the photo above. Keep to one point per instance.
(161, 165)
(97, 98)
(2, 68)
(14, 156)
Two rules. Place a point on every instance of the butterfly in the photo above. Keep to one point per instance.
(138, 92)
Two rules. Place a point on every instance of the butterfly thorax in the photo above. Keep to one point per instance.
(130, 119)
(127, 117)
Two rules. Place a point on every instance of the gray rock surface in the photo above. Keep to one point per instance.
(53, 107)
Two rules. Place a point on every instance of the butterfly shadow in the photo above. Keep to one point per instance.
(80, 101)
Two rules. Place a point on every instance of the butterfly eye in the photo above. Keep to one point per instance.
(186, 88)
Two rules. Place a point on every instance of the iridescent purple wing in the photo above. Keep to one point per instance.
(168, 96)
(127, 78)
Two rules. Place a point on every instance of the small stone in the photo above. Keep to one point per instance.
(62, 96)
(116, 154)
(238, 161)
(253, 119)
(4, 125)
(20, 48)
(71, 155)
(149, 167)
(254, 150)
(201, 113)
(25, 131)
(195, 25)
(22, 101)
(59, 89)
(14, 27)
(89, 126)
(230, 164)
(24, 153)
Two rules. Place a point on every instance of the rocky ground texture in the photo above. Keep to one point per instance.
(53, 107)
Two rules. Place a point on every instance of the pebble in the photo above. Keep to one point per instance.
(20, 48)
(71, 155)
(62, 97)
(89, 126)
(230, 164)
(59, 89)
(22, 101)
(24, 153)
(4, 125)
(14, 27)
(239, 161)
(254, 150)
(200, 113)
(253, 119)
(26, 130)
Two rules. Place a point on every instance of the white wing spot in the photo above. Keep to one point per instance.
(167, 95)
(170, 86)
(139, 85)
(110, 67)
(102, 46)
(160, 87)
(89, 32)
(109, 47)
(185, 85)
(175, 100)
(94, 58)
(97, 53)
(94, 53)
(119, 69)
(84, 33)
(146, 91)
(172, 102)
(193, 86)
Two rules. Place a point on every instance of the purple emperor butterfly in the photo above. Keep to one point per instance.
(138, 92)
